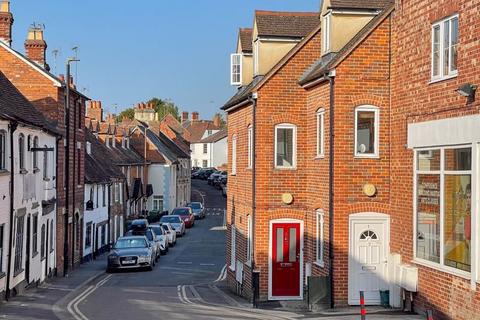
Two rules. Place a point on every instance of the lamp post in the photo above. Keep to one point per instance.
(67, 166)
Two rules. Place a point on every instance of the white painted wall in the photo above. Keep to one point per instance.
(219, 152)
(97, 216)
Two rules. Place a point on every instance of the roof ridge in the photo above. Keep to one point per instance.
(286, 13)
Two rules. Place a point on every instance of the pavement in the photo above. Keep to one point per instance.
(187, 283)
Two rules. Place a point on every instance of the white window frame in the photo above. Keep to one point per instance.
(233, 258)
(320, 133)
(326, 32)
(256, 58)
(234, 155)
(205, 148)
(473, 274)
(157, 199)
(294, 147)
(249, 240)
(3, 151)
(441, 25)
(320, 241)
(233, 63)
(250, 146)
(376, 110)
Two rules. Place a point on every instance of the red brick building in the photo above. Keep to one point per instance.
(29, 73)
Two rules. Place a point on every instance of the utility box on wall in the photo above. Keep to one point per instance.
(318, 293)
(407, 277)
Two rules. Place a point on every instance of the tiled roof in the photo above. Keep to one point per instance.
(98, 166)
(242, 94)
(215, 137)
(197, 129)
(285, 24)
(245, 35)
(164, 145)
(360, 4)
(320, 67)
(13, 105)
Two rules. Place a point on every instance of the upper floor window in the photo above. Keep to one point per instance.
(320, 132)
(236, 69)
(444, 48)
(3, 150)
(366, 131)
(234, 155)
(326, 21)
(250, 146)
(285, 146)
(205, 148)
(35, 152)
(45, 165)
(256, 57)
(21, 151)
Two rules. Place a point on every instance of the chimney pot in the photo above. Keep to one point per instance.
(184, 116)
(35, 46)
(195, 116)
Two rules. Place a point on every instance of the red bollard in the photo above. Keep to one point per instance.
(363, 312)
(429, 315)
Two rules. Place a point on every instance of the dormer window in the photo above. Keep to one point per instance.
(326, 24)
(236, 69)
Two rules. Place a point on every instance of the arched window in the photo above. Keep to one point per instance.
(3, 150)
(21, 151)
(34, 156)
(368, 235)
(285, 146)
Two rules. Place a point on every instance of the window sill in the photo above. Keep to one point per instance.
(249, 263)
(23, 171)
(432, 81)
(363, 156)
(46, 179)
(35, 170)
(34, 254)
(232, 268)
(18, 272)
(4, 172)
(458, 273)
(320, 156)
(233, 174)
(285, 168)
(320, 264)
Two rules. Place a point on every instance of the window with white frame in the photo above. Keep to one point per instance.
(35, 155)
(232, 247)
(18, 264)
(366, 131)
(285, 145)
(236, 69)
(256, 57)
(205, 148)
(52, 232)
(3, 150)
(444, 48)
(320, 239)
(250, 146)
(34, 235)
(320, 132)
(45, 165)
(326, 29)
(249, 239)
(443, 207)
(158, 203)
(234, 155)
(204, 163)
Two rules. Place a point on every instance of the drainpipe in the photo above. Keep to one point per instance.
(255, 274)
(107, 187)
(13, 128)
(74, 231)
(331, 80)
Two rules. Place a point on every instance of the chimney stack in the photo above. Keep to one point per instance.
(216, 121)
(6, 22)
(195, 116)
(35, 46)
(184, 116)
(95, 111)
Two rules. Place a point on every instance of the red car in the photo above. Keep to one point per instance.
(186, 215)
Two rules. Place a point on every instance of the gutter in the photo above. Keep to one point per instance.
(13, 128)
(331, 171)
(238, 105)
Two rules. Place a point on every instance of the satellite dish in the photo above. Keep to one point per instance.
(363, 148)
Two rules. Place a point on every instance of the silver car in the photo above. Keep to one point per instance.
(176, 222)
(152, 239)
(197, 209)
(131, 252)
(161, 237)
(171, 234)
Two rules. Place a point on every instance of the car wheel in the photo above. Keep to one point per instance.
(167, 249)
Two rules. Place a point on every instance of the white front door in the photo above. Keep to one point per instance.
(368, 263)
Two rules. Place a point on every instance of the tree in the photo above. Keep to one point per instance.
(127, 113)
(164, 107)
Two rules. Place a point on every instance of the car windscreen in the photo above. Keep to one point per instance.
(146, 233)
(130, 243)
(180, 212)
(165, 227)
(170, 219)
(157, 230)
(195, 205)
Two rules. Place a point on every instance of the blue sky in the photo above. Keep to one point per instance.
(133, 50)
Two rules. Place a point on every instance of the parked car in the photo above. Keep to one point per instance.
(176, 222)
(186, 214)
(199, 174)
(197, 209)
(214, 176)
(219, 180)
(224, 190)
(161, 236)
(131, 252)
(171, 234)
(138, 224)
(152, 239)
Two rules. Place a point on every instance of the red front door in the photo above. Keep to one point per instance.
(286, 260)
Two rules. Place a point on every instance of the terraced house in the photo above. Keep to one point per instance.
(29, 73)
(353, 159)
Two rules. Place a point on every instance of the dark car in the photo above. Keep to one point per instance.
(131, 252)
(222, 178)
(138, 225)
(186, 214)
(199, 174)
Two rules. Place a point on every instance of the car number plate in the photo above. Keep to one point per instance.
(129, 261)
